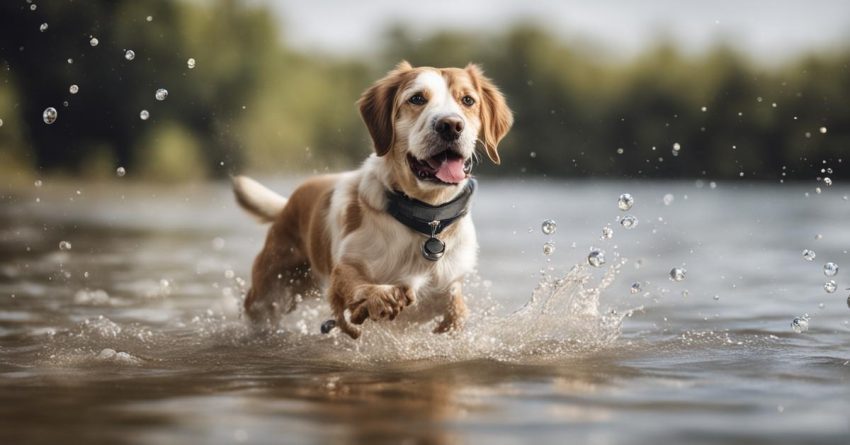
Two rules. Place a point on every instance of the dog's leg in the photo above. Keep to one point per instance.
(279, 274)
(351, 290)
(455, 311)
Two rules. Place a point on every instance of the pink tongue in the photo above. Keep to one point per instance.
(451, 171)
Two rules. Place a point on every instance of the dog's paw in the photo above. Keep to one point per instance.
(380, 302)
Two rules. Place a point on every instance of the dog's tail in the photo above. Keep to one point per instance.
(257, 199)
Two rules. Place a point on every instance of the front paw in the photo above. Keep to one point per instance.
(380, 302)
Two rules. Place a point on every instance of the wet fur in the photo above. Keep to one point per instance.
(333, 234)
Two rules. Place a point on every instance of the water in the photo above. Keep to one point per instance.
(134, 335)
(144, 115)
(629, 222)
(190, 63)
(830, 269)
(129, 54)
(74, 89)
(161, 94)
(49, 115)
(94, 41)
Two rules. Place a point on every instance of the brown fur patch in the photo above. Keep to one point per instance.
(496, 117)
(378, 106)
(353, 213)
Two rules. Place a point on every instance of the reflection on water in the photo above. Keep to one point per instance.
(132, 332)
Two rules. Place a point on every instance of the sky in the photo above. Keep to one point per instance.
(768, 30)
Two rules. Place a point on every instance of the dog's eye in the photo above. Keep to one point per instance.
(417, 99)
(468, 101)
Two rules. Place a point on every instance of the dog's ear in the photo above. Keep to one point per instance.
(377, 107)
(496, 117)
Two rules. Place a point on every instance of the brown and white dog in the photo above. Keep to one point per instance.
(335, 233)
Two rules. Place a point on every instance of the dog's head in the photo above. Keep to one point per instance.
(427, 122)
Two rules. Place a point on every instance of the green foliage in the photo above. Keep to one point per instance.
(253, 103)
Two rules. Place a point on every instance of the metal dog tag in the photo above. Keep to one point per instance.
(433, 249)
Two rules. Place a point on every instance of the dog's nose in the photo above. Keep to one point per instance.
(449, 127)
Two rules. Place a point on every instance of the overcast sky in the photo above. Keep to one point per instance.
(769, 30)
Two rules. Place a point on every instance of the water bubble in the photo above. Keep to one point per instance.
(596, 258)
(827, 181)
(629, 222)
(120, 172)
(809, 255)
(830, 269)
(548, 248)
(716, 297)
(677, 274)
(65, 104)
(704, 109)
(620, 151)
(129, 54)
(50, 114)
(64, 245)
(668, 199)
(33, 7)
(607, 232)
(94, 41)
(190, 63)
(144, 115)
(43, 27)
(74, 89)
(37, 183)
(822, 130)
(625, 202)
(635, 288)
(532, 154)
(800, 324)
(161, 94)
(712, 185)
(549, 226)
(830, 286)
(676, 146)
(149, 18)
(70, 60)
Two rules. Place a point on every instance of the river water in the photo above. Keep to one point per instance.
(134, 335)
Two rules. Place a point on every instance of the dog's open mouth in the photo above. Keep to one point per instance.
(448, 168)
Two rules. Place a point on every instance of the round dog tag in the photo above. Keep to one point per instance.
(433, 249)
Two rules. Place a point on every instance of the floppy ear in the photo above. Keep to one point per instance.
(377, 108)
(496, 117)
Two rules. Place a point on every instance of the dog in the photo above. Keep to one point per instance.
(396, 234)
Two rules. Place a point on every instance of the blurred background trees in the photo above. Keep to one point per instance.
(254, 103)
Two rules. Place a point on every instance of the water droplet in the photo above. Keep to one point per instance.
(712, 185)
(596, 258)
(229, 274)
(677, 274)
(818, 236)
(620, 151)
(668, 199)
(629, 222)
(120, 171)
(38, 183)
(676, 146)
(800, 324)
(809, 255)
(64, 245)
(635, 288)
(704, 109)
(74, 89)
(70, 60)
(548, 248)
(129, 54)
(144, 115)
(607, 232)
(827, 181)
(822, 130)
(190, 63)
(532, 154)
(149, 18)
(1, 122)
(549, 226)
(218, 243)
(43, 27)
(161, 94)
(625, 202)
(716, 297)
(33, 7)
(830, 269)
(50, 114)
(94, 41)
(830, 286)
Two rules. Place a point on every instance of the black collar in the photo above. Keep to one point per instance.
(419, 216)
